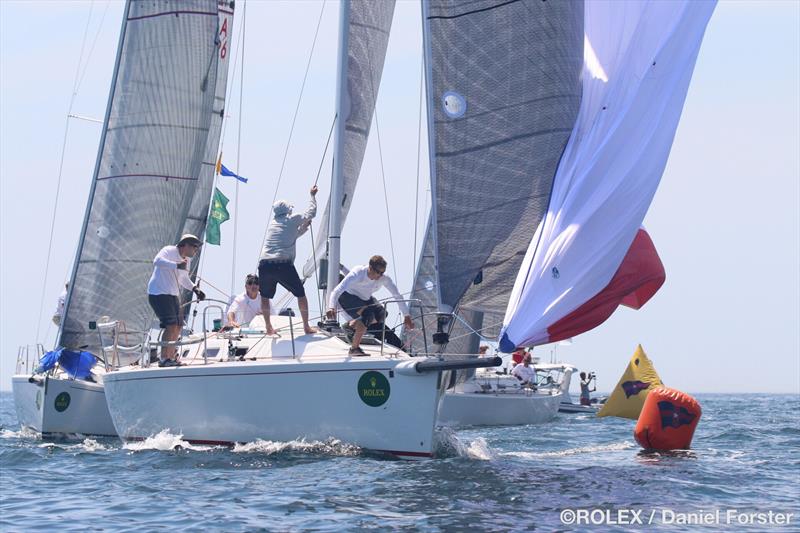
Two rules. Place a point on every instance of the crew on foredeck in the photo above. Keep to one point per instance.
(246, 305)
(277, 258)
(354, 296)
(170, 273)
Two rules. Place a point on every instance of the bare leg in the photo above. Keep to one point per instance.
(302, 303)
(360, 330)
(265, 312)
(171, 334)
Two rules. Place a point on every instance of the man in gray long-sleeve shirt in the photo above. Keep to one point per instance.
(277, 258)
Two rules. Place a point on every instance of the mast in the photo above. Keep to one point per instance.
(100, 149)
(337, 178)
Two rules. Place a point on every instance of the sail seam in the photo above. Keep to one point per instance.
(189, 178)
(472, 12)
(176, 13)
(504, 141)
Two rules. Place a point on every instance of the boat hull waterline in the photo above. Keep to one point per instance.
(385, 406)
(56, 407)
(479, 409)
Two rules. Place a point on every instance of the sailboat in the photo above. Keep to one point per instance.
(243, 385)
(498, 122)
(152, 182)
(562, 218)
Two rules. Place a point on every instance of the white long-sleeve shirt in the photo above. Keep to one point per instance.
(62, 298)
(166, 276)
(526, 373)
(357, 283)
(244, 308)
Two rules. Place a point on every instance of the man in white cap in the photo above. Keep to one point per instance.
(277, 258)
(170, 272)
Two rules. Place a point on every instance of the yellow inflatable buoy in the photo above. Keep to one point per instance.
(629, 394)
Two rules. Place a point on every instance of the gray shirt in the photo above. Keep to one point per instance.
(283, 232)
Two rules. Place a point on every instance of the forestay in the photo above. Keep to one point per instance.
(156, 136)
(368, 36)
(639, 61)
(503, 86)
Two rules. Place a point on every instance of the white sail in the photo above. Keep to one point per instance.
(156, 137)
(640, 58)
(368, 36)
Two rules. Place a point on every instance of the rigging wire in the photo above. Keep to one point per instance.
(385, 194)
(75, 85)
(238, 154)
(94, 43)
(294, 120)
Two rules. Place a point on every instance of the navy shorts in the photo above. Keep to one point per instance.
(368, 311)
(271, 274)
(167, 309)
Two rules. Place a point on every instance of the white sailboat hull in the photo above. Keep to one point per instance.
(55, 406)
(231, 402)
(482, 409)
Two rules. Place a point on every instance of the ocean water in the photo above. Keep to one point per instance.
(744, 458)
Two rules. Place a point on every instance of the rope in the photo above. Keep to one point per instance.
(419, 145)
(75, 84)
(294, 120)
(385, 194)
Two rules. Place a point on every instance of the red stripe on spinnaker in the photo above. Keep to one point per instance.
(637, 279)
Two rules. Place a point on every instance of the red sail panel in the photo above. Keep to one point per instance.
(636, 280)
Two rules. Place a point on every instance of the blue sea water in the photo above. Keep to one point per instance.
(744, 457)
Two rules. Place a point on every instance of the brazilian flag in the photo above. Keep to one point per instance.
(218, 215)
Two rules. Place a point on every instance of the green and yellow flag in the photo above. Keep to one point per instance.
(218, 215)
(628, 396)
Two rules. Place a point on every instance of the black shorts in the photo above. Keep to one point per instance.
(270, 274)
(167, 308)
(365, 310)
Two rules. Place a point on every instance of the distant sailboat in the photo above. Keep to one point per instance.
(152, 182)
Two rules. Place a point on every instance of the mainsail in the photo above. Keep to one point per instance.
(640, 58)
(503, 85)
(158, 131)
(368, 36)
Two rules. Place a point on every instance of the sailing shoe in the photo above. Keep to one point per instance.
(357, 352)
(168, 362)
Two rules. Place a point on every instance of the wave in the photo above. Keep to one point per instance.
(447, 444)
(165, 441)
(269, 447)
(23, 433)
(88, 445)
(614, 447)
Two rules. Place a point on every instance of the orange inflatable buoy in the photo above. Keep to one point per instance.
(667, 421)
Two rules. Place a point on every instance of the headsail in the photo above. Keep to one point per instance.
(368, 37)
(503, 96)
(155, 139)
(639, 61)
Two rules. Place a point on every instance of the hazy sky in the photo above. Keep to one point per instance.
(725, 219)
